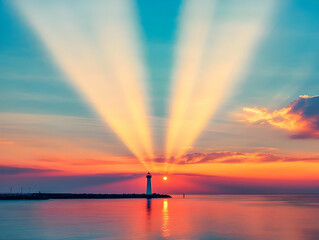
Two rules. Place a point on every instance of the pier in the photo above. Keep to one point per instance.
(47, 196)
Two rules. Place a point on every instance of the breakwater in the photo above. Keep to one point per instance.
(47, 196)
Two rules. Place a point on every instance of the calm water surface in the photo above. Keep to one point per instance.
(196, 217)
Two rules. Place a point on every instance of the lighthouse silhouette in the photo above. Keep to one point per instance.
(148, 184)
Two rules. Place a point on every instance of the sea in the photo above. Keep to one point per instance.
(254, 217)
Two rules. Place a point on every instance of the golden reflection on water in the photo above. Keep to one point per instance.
(165, 220)
(251, 217)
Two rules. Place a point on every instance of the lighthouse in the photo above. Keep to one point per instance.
(148, 184)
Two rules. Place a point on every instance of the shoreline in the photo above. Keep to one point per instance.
(48, 196)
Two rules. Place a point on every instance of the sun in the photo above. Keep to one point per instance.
(164, 178)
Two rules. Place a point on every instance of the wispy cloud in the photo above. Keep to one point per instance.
(301, 117)
(74, 144)
(196, 183)
(6, 142)
(240, 157)
(9, 170)
(65, 183)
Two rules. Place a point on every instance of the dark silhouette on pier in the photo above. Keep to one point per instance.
(47, 196)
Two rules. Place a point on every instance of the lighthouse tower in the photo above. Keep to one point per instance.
(148, 185)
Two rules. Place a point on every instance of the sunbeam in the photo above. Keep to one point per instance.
(213, 52)
(96, 44)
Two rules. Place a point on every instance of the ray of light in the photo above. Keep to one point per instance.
(96, 44)
(212, 54)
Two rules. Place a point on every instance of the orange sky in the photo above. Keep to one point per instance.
(213, 95)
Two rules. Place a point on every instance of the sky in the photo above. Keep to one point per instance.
(221, 96)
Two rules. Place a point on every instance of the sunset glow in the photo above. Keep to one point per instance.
(176, 119)
(299, 117)
(209, 96)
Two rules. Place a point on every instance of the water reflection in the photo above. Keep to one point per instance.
(165, 220)
(148, 205)
(196, 217)
(148, 215)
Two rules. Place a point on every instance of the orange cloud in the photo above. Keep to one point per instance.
(239, 157)
(6, 142)
(300, 117)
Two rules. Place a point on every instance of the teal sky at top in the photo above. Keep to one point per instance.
(285, 65)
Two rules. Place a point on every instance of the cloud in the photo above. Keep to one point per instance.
(239, 157)
(240, 185)
(159, 159)
(21, 133)
(301, 117)
(67, 183)
(6, 142)
(90, 161)
(5, 170)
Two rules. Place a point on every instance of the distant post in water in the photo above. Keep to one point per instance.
(148, 185)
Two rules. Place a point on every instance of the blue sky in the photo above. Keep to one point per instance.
(286, 61)
(50, 121)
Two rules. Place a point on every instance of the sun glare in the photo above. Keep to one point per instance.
(164, 178)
